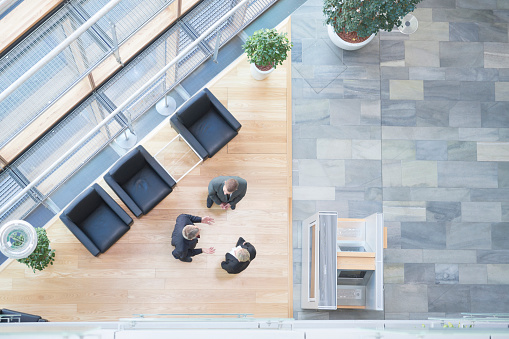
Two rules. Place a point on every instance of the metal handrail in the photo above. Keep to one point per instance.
(142, 316)
(149, 83)
(57, 50)
(5, 5)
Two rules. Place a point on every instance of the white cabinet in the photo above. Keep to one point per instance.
(342, 262)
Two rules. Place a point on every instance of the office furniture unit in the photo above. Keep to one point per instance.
(342, 262)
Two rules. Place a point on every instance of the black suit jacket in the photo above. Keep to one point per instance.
(232, 265)
(217, 195)
(184, 248)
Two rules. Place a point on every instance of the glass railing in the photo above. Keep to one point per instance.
(273, 328)
(76, 61)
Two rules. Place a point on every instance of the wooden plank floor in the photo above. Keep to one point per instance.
(139, 275)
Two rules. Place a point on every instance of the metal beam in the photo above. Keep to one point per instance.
(63, 45)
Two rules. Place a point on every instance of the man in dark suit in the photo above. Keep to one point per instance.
(226, 191)
(185, 237)
(239, 258)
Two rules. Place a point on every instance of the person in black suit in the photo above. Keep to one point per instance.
(226, 191)
(239, 258)
(185, 237)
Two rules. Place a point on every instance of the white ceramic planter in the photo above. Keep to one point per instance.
(260, 75)
(336, 40)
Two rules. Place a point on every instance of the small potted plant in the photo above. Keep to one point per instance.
(266, 49)
(43, 255)
(352, 24)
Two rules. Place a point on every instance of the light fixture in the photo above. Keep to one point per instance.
(18, 239)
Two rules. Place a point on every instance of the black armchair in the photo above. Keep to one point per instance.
(205, 124)
(96, 219)
(7, 315)
(139, 181)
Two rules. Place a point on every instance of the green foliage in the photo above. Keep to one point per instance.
(267, 47)
(42, 256)
(366, 16)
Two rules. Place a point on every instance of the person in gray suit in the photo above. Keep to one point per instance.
(226, 191)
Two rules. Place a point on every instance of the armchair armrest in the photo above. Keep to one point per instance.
(80, 235)
(156, 166)
(113, 205)
(180, 128)
(228, 117)
(123, 195)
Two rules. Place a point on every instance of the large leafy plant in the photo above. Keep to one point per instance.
(42, 256)
(267, 48)
(366, 17)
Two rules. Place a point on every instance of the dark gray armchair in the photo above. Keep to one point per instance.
(96, 219)
(205, 124)
(139, 181)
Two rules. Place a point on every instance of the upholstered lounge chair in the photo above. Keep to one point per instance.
(139, 181)
(96, 219)
(205, 124)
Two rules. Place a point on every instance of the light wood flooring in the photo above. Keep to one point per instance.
(139, 275)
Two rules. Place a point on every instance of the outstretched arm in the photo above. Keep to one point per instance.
(193, 252)
(194, 219)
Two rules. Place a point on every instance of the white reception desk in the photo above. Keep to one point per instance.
(342, 262)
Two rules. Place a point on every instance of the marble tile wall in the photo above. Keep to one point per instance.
(417, 127)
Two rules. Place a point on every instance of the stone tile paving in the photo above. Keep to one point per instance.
(417, 127)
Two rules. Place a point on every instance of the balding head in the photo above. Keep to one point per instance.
(190, 232)
(242, 255)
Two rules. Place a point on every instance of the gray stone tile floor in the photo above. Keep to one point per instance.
(417, 127)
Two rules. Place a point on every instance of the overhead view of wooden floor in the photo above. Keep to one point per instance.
(138, 274)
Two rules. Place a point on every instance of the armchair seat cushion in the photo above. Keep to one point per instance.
(104, 227)
(140, 181)
(96, 219)
(205, 124)
(146, 188)
(212, 132)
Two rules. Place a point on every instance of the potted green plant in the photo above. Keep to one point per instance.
(266, 49)
(43, 255)
(352, 24)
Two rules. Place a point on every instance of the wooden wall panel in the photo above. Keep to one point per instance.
(22, 18)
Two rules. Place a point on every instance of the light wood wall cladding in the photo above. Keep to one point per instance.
(138, 274)
(22, 18)
(85, 87)
(187, 4)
